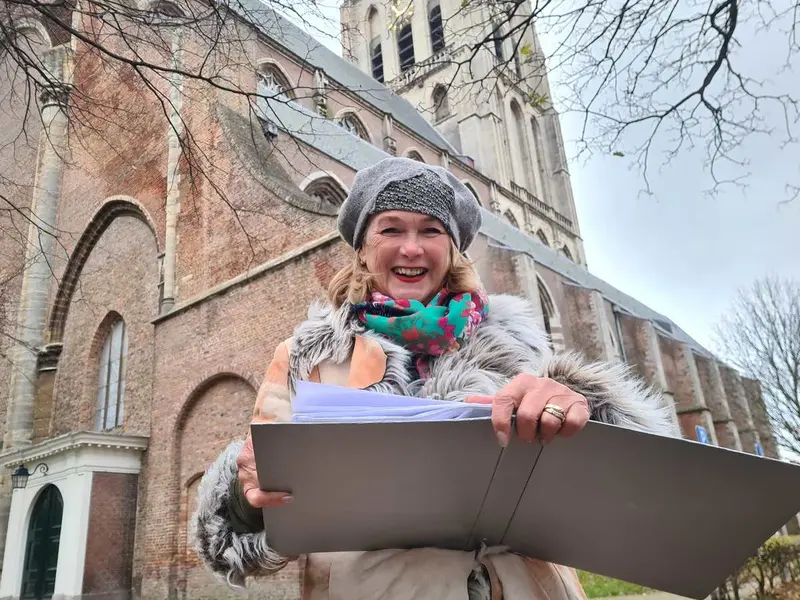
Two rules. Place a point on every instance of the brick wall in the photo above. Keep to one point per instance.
(216, 414)
(584, 312)
(119, 278)
(109, 545)
(235, 332)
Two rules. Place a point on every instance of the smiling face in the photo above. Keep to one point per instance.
(408, 254)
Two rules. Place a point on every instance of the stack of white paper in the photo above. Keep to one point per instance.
(319, 403)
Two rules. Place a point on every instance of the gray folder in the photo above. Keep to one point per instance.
(666, 513)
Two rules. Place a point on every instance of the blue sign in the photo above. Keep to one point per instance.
(702, 434)
(759, 449)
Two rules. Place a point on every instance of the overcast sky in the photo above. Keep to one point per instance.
(680, 251)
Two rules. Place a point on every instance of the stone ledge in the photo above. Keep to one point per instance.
(250, 275)
(692, 409)
(69, 441)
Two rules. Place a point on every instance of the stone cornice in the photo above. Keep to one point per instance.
(251, 275)
(72, 441)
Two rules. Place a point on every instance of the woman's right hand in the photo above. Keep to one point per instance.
(248, 480)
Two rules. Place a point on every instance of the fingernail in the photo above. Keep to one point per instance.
(502, 438)
(287, 499)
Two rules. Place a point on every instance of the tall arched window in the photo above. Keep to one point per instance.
(548, 310)
(542, 238)
(44, 538)
(497, 35)
(272, 82)
(405, 47)
(541, 164)
(326, 190)
(472, 189)
(511, 218)
(565, 251)
(167, 9)
(441, 105)
(522, 164)
(111, 380)
(435, 25)
(350, 122)
(375, 47)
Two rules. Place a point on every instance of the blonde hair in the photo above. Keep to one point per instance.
(355, 283)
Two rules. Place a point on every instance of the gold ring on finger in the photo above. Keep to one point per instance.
(556, 411)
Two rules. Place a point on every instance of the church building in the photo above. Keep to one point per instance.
(169, 245)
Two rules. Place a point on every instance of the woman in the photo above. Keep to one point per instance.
(408, 316)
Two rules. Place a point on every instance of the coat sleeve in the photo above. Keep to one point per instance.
(615, 395)
(228, 533)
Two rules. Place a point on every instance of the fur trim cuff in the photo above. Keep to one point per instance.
(615, 396)
(231, 556)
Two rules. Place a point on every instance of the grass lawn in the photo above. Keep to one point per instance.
(597, 586)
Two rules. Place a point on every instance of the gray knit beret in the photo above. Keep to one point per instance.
(410, 185)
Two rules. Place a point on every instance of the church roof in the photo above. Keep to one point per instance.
(337, 69)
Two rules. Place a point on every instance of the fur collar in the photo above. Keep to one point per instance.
(508, 342)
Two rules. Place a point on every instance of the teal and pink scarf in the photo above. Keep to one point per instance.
(438, 327)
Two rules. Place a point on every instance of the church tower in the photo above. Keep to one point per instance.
(492, 103)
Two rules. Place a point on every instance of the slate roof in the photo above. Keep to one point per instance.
(337, 69)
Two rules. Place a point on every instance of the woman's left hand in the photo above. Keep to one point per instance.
(539, 403)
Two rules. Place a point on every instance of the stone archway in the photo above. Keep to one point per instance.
(216, 413)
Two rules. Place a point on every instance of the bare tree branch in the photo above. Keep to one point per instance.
(760, 335)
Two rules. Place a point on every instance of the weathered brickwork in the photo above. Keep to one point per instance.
(758, 410)
(586, 314)
(109, 542)
(740, 411)
(119, 280)
(640, 343)
(714, 394)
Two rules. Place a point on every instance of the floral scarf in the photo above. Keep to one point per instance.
(434, 329)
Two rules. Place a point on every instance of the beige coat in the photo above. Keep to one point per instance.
(420, 574)
(332, 347)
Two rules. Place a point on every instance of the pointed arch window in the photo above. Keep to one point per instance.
(567, 254)
(375, 46)
(509, 216)
(548, 310)
(163, 12)
(376, 59)
(542, 238)
(272, 82)
(472, 190)
(326, 190)
(538, 150)
(497, 38)
(523, 163)
(436, 26)
(441, 104)
(414, 155)
(110, 406)
(405, 47)
(352, 124)
(167, 9)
